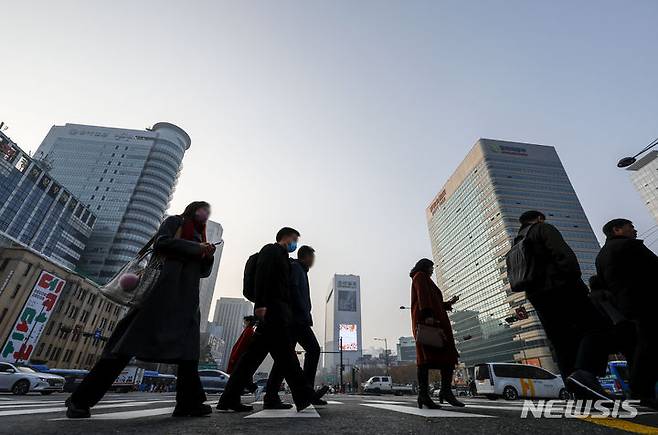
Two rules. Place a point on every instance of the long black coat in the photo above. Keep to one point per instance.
(166, 327)
(627, 268)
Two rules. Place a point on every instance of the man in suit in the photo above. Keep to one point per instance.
(627, 269)
(301, 332)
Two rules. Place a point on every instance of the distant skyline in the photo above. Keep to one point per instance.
(343, 119)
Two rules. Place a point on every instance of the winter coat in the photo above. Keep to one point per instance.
(166, 327)
(300, 294)
(427, 301)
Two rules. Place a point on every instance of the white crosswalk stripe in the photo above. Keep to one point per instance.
(423, 412)
(309, 412)
(47, 410)
(125, 415)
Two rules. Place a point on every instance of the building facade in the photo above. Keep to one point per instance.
(644, 175)
(406, 349)
(343, 323)
(36, 211)
(214, 233)
(230, 313)
(472, 222)
(49, 314)
(126, 177)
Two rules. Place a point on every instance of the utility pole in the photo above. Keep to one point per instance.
(340, 349)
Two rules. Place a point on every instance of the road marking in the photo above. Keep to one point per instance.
(389, 402)
(51, 403)
(58, 409)
(423, 412)
(309, 412)
(626, 425)
(123, 415)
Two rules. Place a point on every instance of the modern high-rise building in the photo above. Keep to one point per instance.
(406, 349)
(472, 223)
(214, 233)
(126, 177)
(644, 175)
(230, 313)
(37, 212)
(343, 323)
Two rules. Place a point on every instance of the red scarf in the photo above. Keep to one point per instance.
(188, 228)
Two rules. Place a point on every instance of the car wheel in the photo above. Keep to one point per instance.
(377, 391)
(491, 396)
(510, 393)
(46, 393)
(21, 387)
(564, 394)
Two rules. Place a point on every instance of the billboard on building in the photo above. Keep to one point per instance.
(349, 336)
(33, 318)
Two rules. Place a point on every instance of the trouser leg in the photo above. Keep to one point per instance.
(94, 386)
(644, 370)
(245, 368)
(189, 390)
(307, 340)
(423, 374)
(284, 355)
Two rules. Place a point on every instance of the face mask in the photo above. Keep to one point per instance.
(292, 246)
(201, 215)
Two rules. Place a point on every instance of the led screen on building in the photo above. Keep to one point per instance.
(348, 334)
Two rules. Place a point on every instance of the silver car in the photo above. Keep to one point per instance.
(213, 381)
(22, 380)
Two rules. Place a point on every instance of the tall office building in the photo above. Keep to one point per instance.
(406, 349)
(343, 323)
(472, 222)
(126, 177)
(230, 313)
(644, 175)
(37, 212)
(214, 233)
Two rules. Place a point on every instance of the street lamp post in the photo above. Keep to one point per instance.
(627, 161)
(385, 351)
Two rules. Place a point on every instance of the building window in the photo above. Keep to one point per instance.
(18, 287)
(27, 269)
(4, 264)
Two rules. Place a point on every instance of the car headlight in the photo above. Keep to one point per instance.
(43, 379)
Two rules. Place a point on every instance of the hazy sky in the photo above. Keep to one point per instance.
(343, 118)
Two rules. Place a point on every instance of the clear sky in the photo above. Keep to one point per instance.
(343, 118)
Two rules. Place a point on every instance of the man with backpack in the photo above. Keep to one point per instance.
(302, 331)
(272, 307)
(544, 266)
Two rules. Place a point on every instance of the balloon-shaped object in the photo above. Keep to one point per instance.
(128, 281)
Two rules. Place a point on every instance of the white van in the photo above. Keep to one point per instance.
(512, 381)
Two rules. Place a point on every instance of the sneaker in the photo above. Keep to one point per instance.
(236, 407)
(73, 411)
(303, 405)
(194, 411)
(584, 385)
(320, 393)
(318, 402)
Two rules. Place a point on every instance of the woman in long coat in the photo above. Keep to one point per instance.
(165, 328)
(428, 307)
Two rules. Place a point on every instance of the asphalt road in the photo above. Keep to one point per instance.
(149, 413)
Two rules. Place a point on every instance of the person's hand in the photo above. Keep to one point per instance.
(429, 321)
(260, 312)
(207, 249)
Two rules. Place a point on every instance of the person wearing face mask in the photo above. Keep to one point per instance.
(165, 328)
(273, 335)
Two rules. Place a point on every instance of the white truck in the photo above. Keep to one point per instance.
(128, 380)
(385, 385)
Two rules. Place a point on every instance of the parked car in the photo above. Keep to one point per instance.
(385, 385)
(22, 380)
(512, 381)
(72, 377)
(213, 381)
(615, 380)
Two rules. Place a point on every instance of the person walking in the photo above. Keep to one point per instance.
(301, 329)
(561, 300)
(428, 308)
(273, 309)
(627, 268)
(165, 328)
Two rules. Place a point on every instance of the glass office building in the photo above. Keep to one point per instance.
(126, 177)
(644, 175)
(37, 212)
(472, 222)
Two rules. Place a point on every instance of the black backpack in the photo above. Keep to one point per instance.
(521, 272)
(249, 280)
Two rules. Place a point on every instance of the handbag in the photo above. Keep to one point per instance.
(133, 283)
(429, 335)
